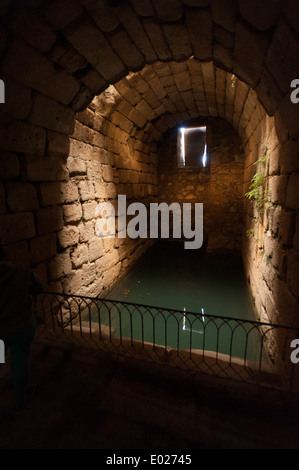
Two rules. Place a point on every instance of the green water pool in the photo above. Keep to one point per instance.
(184, 281)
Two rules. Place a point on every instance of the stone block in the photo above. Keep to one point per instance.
(284, 47)
(91, 43)
(69, 192)
(73, 282)
(31, 27)
(80, 256)
(249, 53)
(110, 276)
(43, 168)
(60, 266)
(69, 236)
(200, 28)
(289, 114)
(38, 72)
(128, 52)
(261, 15)
(58, 145)
(72, 213)
(89, 210)
(178, 40)
(292, 273)
(20, 136)
(95, 249)
(76, 166)
(49, 219)
(156, 36)
(292, 198)
(103, 14)
(60, 13)
(296, 236)
(134, 27)
(225, 13)
(50, 194)
(43, 248)
(17, 99)
(52, 115)
(86, 190)
(86, 232)
(21, 197)
(168, 10)
(16, 227)
(291, 11)
(9, 165)
(277, 188)
(18, 253)
(89, 273)
(144, 8)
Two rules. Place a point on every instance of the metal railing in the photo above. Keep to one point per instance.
(243, 350)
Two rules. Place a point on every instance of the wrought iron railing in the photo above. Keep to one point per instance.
(239, 349)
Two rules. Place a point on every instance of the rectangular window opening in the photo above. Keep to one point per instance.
(192, 147)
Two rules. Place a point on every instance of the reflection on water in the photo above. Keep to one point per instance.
(185, 281)
(171, 277)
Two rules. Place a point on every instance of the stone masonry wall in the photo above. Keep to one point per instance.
(219, 186)
(270, 248)
(48, 201)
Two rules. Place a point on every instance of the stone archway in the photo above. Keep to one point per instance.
(56, 56)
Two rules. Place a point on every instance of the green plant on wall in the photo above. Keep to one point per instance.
(250, 233)
(257, 190)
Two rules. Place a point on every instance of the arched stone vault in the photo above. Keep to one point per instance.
(161, 63)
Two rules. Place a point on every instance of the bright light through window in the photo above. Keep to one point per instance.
(192, 147)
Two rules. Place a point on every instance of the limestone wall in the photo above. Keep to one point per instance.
(270, 247)
(219, 186)
(49, 198)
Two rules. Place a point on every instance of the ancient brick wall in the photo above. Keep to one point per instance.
(219, 186)
(170, 61)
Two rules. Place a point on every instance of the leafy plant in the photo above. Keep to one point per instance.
(257, 189)
(250, 233)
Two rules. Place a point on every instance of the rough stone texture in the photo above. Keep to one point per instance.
(10, 165)
(249, 40)
(261, 15)
(168, 10)
(16, 227)
(39, 73)
(133, 25)
(91, 43)
(249, 64)
(60, 266)
(284, 47)
(224, 13)
(57, 118)
(178, 41)
(102, 14)
(21, 197)
(20, 136)
(31, 27)
(43, 248)
(201, 33)
(219, 186)
(49, 219)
